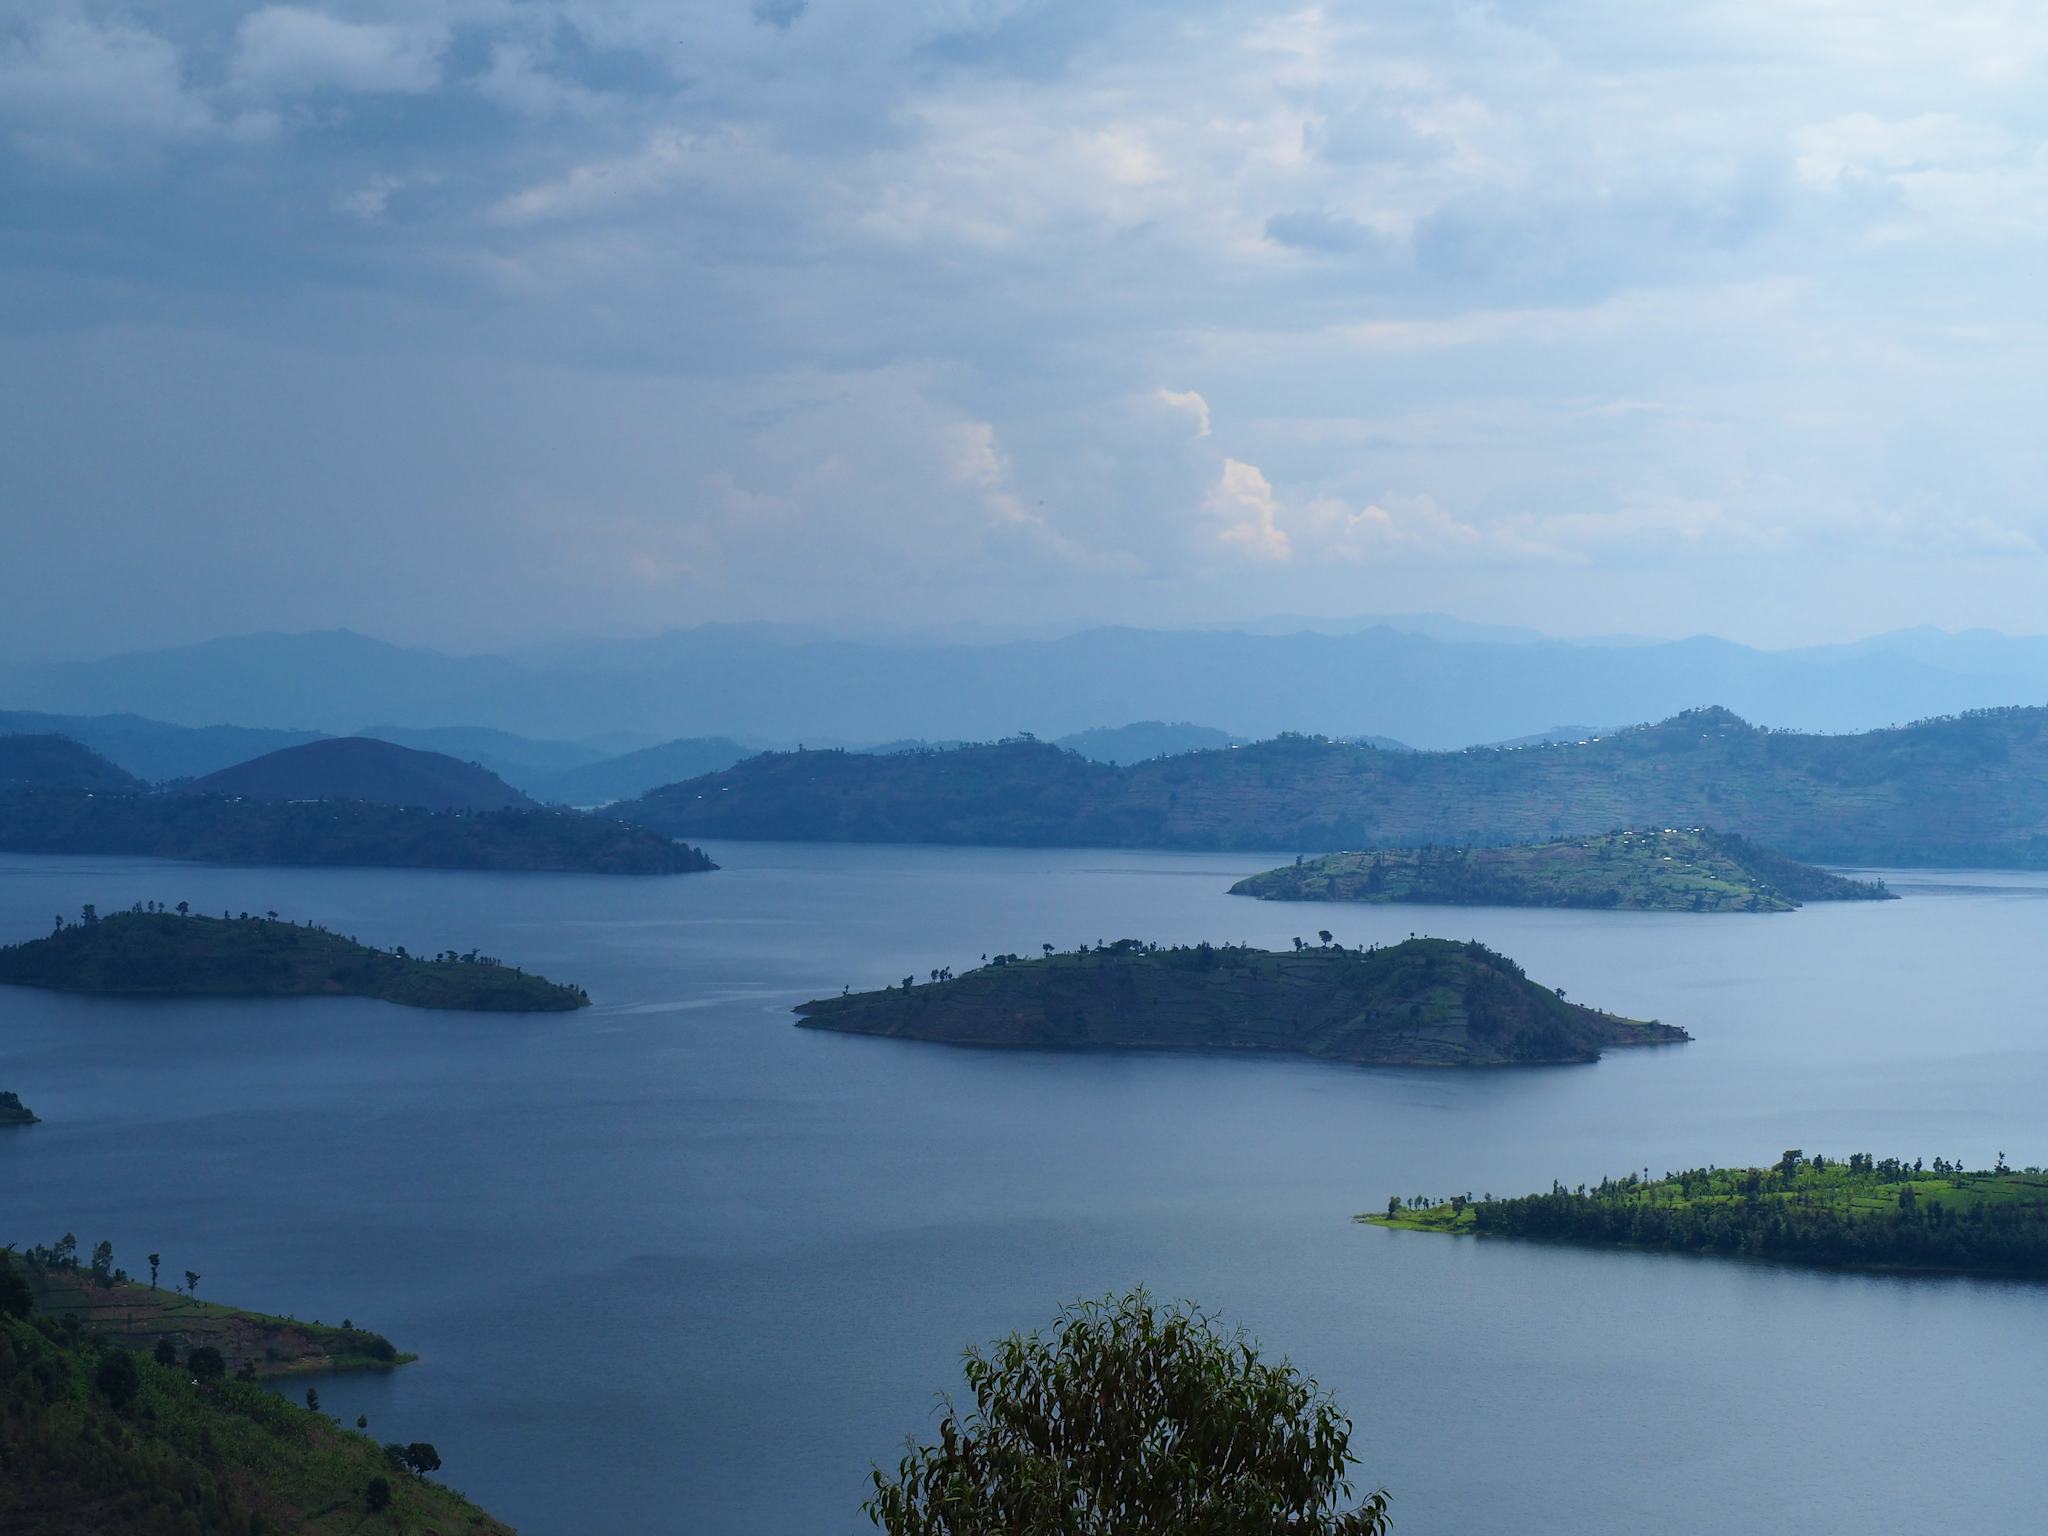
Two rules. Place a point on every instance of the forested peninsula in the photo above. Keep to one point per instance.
(1425, 1002)
(127, 1408)
(151, 952)
(1854, 1213)
(1970, 790)
(215, 829)
(1686, 869)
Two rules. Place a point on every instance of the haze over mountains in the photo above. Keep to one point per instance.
(768, 684)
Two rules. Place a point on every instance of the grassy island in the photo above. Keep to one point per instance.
(1661, 870)
(1426, 1002)
(136, 1418)
(13, 1111)
(217, 829)
(1858, 1213)
(144, 953)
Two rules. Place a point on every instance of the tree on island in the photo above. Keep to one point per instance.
(1136, 1418)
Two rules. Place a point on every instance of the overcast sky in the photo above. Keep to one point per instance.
(473, 322)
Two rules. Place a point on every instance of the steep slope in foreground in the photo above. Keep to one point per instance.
(210, 829)
(58, 761)
(1661, 870)
(1967, 791)
(362, 768)
(1856, 1214)
(1426, 1002)
(159, 954)
(101, 1441)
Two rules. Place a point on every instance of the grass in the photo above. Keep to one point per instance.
(1859, 1213)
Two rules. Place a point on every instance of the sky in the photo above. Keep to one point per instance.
(477, 323)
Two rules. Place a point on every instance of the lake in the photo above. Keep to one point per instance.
(672, 1264)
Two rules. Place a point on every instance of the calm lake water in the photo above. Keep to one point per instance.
(674, 1265)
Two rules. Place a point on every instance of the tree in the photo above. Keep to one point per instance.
(166, 1353)
(313, 1398)
(1324, 935)
(1131, 1418)
(191, 1282)
(154, 1260)
(117, 1379)
(422, 1458)
(16, 1299)
(103, 1261)
(377, 1496)
(206, 1365)
(184, 909)
(362, 1421)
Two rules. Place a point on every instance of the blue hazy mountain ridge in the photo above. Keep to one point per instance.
(755, 685)
(152, 749)
(512, 757)
(363, 768)
(635, 773)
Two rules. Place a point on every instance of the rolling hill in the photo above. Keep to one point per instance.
(58, 762)
(1969, 790)
(362, 768)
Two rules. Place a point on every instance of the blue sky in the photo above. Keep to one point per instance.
(476, 322)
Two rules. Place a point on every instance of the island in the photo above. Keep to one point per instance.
(1425, 1002)
(1857, 1212)
(1966, 792)
(151, 952)
(1668, 869)
(13, 1111)
(135, 1409)
(221, 829)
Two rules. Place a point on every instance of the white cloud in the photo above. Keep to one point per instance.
(291, 48)
(71, 85)
(601, 186)
(1189, 403)
(1242, 501)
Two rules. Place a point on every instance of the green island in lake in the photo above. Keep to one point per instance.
(128, 1407)
(1425, 1002)
(161, 953)
(1690, 869)
(1854, 1213)
(13, 1111)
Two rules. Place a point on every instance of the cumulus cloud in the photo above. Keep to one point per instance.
(293, 48)
(1243, 504)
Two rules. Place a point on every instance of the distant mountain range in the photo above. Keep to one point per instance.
(1449, 687)
(1971, 791)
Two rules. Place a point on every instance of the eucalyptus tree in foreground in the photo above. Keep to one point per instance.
(1131, 1419)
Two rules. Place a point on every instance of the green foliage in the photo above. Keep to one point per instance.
(206, 1365)
(1132, 1419)
(1855, 1213)
(93, 1443)
(15, 1296)
(1671, 869)
(213, 829)
(158, 954)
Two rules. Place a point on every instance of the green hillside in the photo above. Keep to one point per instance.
(1971, 790)
(1426, 1002)
(163, 954)
(1686, 869)
(215, 829)
(1858, 1213)
(100, 1440)
(49, 761)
